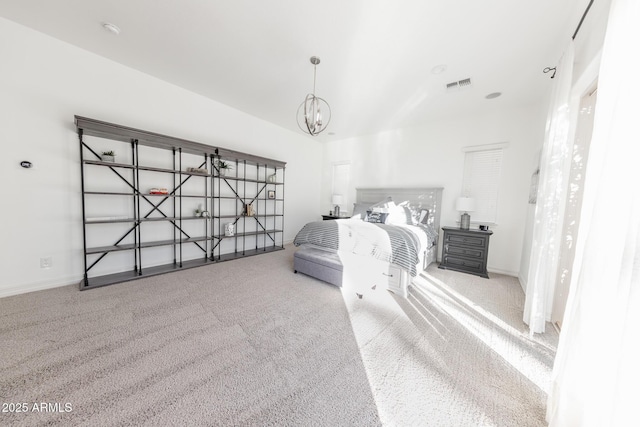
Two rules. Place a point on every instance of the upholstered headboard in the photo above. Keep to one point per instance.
(426, 198)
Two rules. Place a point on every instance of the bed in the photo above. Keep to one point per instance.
(391, 237)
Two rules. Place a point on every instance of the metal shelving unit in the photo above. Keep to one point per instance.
(260, 232)
(263, 232)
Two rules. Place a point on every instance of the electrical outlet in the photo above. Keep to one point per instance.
(46, 262)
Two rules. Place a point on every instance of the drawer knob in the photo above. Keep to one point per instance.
(388, 275)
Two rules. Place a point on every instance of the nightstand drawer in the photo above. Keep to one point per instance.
(469, 265)
(479, 241)
(462, 251)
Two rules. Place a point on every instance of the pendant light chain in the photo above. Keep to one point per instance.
(314, 78)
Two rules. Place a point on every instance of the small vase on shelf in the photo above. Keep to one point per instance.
(108, 156)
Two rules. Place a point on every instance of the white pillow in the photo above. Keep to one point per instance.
(397, 216)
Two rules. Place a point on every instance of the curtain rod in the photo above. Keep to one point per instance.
(575, 33)
(584, 15)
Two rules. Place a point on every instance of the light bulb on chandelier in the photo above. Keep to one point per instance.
(310, 113)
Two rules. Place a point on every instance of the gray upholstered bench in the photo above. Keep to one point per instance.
(322, 264)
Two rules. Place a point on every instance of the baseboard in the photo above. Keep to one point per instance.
(505, 272)
(523, 283)
(38, 286)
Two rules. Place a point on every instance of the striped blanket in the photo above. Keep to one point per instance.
(403, 245)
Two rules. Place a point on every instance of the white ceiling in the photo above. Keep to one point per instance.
(377, 55)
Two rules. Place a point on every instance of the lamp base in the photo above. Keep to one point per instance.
(336, 211)
(465, 221)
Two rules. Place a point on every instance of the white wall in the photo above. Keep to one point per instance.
(431, 156)
(43, 84)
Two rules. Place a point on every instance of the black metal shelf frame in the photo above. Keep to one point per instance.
(245, 196)
(145, 205)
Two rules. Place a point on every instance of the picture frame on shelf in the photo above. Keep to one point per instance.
(271, 194)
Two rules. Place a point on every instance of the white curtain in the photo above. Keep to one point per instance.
(549, 213)
(596, 378)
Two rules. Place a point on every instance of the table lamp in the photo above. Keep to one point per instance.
(466, 205)
(336, 199)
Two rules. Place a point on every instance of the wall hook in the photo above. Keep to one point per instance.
(549, 69)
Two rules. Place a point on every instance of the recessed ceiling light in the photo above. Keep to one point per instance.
(113, 29)
(493, 95)
(438, 69)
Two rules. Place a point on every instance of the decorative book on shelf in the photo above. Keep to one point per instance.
(249, 210)
(158, 191)
(201, 171)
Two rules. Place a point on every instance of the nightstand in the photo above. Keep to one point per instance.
(328, 217)
(465, 250)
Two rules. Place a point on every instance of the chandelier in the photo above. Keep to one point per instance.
(311, 120)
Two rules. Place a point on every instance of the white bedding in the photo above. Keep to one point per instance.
(403, 245)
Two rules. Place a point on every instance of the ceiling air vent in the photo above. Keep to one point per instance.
(460, 84)
(465, 83)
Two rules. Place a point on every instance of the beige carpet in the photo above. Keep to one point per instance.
(248, 342)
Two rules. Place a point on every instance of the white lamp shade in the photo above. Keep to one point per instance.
(465, 204)
(336, 199)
